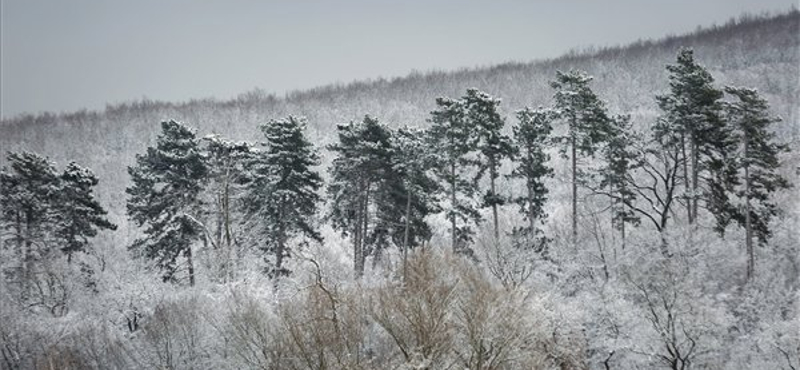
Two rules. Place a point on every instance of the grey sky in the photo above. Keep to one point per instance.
(62, 55)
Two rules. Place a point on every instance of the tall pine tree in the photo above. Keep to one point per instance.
(531, 139)
(757, 167)
(29, 190)
(282, 195)
(416, 194)
(586, 118)
(494, 146)
(693, 124)
(358, 180)
(163, 197)
(620, 159)
(43, 213)
(455, 142)
(79, 215)
(226, 162)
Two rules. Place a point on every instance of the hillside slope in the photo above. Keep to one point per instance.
(760, 52)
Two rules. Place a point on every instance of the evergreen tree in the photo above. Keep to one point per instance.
(282, 195)
(358, 178)
(494, 146)
(416, 193)
(226, 178)
(620, 159)
(42, 212)
(531, 138)
(164, 197)
(586, 118)
(29, 189)
(758, 163)
(455, 142)
(692, 122)
(79, 215)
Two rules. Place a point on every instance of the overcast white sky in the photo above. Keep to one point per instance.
(62, 55)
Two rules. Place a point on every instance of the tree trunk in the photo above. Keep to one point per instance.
(664, 245)
(686, 183)
(574, 192)
(280, 249)
(406, 235)
(358, 237)
(28, 254)
(531, 211)
(695, 176)
(622, 227)
(365, 228)
(453, 206)
(227, 224)
(747, 217)
(279, 253)
(357, 241)
(191, 265)
(492, 175)
(624, 211)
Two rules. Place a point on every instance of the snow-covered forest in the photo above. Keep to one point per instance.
(634, 207)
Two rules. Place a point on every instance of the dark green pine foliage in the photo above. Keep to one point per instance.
(359, 176)
(758, 163)
(455, 143)
(29, 189)
(164, 198)
(79, 215)
(531, 140)
(282, 195)
(620, 160)
(482, 114)
(586, 118)
(414, 195)
(692, 122)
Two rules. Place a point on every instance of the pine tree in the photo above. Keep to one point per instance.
(757, 176)
(586, 118)
(692, 122)
(79, 215)
(28, 192)
(43, 212)
(620, 159)
(531, 139)
(226, 178)
(416, 193)
(358, 173)
(455, 142)
(282, 196)
(494, 146)
(164, 197)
